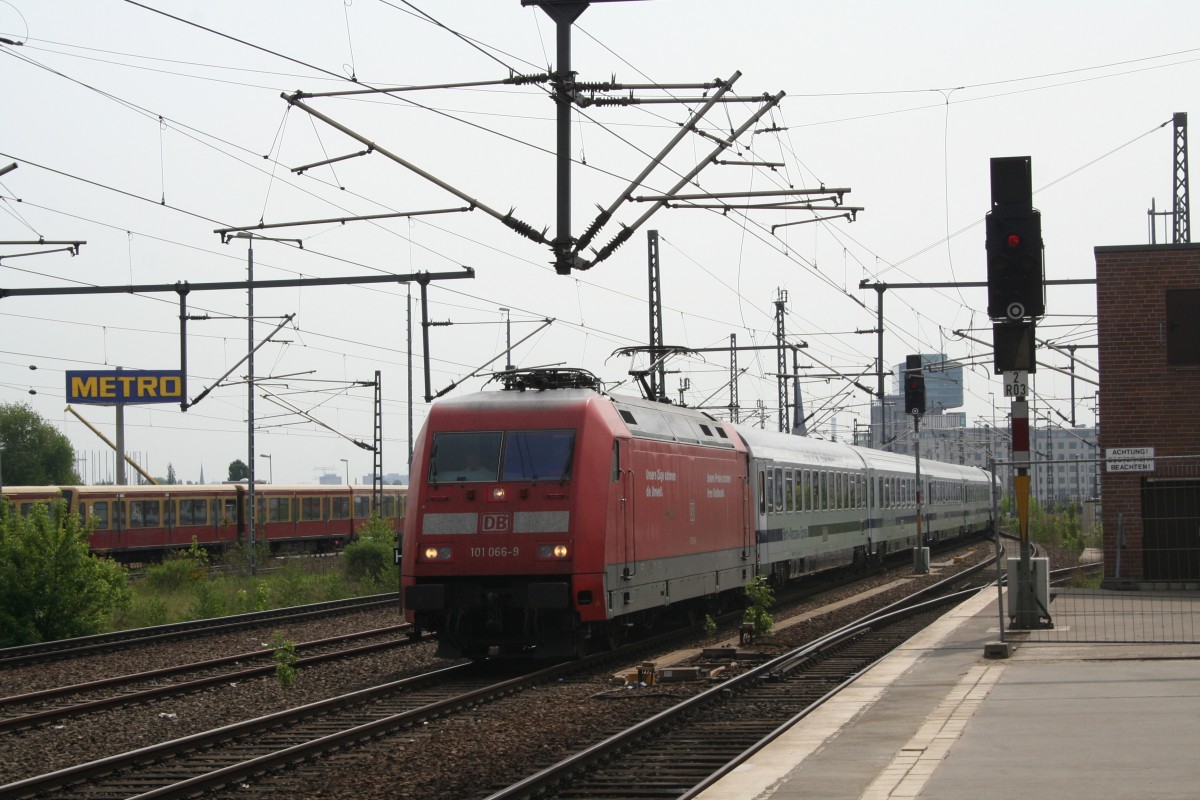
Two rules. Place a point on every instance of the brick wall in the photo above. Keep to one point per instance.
(1144, 402)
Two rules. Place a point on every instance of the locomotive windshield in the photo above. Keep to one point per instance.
(505, 456)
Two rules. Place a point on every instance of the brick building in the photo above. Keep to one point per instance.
(1148, 307)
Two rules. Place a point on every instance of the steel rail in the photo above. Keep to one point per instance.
(65, 648)
(183, 687)
(542, 783)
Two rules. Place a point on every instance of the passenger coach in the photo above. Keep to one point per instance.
(137, 523)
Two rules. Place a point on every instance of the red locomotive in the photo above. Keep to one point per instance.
(551, 514)
(140, 523)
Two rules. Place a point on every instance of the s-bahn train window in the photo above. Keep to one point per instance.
(538, 455)
(310, 508)
(278, 511)
(99, 515)
(143, 513)
(193, 512)
(473, 456)
(339, 508)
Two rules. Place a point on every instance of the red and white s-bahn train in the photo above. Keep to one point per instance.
(141, 523)
(542, 518)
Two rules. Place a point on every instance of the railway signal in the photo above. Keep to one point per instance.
(914, 386)
(1015, 274)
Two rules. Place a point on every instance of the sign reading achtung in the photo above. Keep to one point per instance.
(109, 387)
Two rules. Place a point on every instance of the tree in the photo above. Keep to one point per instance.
(35, 452)
(172, 479)
(238, 471)
(51, 587)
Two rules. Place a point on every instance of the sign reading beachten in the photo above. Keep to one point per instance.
(108, 387)
(1130, 459)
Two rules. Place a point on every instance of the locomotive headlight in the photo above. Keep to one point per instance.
(553, 551)
(437, 553)
(497, 494)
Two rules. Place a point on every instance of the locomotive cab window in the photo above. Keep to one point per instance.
(504, 456)
(460, 457)
(538, 455)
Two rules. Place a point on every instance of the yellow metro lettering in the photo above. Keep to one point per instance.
(83, 387)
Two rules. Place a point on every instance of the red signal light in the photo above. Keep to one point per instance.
(1013, 240)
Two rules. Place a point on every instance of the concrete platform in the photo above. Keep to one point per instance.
(938, 720)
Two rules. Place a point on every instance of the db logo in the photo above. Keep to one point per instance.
(495, 523)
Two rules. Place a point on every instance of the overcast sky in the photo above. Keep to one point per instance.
(141, 134)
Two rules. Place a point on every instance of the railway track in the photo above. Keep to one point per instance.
(242, 755)
(86, 645)
(23, 711)
(681, 750)
(238, 753)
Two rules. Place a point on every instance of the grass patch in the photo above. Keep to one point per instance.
(187, 586)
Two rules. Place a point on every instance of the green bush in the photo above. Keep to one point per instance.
(51, 587)
(366, 560)
(208, 602)
(292, 585)
(760, 596)
(369, 560)
(179, 568)
(285, 659)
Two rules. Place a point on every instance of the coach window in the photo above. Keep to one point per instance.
(193, 512)
(310, 508)
(143, 513)
(822, 490)
(339, 508)
(779, 489)
(762, 493)
(278, 509)
(362, 506)
(770, 491)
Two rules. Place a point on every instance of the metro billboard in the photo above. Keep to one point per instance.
(110, 387)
